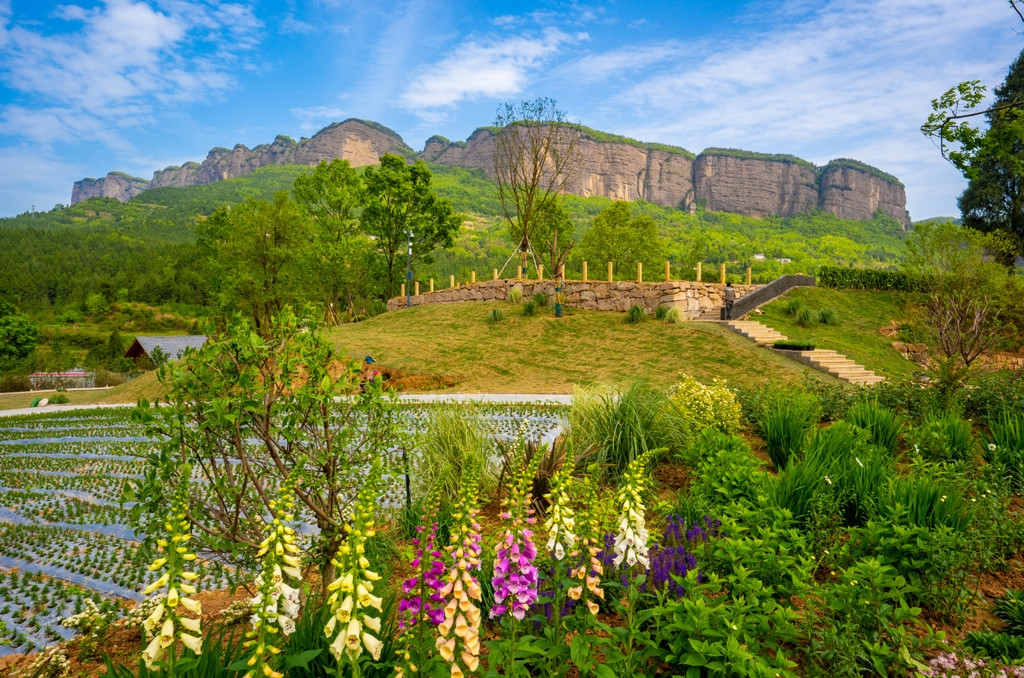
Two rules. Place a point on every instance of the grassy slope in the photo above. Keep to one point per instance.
(545, 355)
(145, 386)
(861, 313)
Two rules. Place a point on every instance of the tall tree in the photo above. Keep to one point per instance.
(990, 159)
(399, 199)
(554, 237)
(623, 239)
(536, 156)
(994, 198)
(331, 196)
(253, 251)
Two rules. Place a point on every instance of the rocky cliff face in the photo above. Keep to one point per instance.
(853, 192)
(753, 186)
(353, 140)
(616, 170)
(622, 169)
(114, 185)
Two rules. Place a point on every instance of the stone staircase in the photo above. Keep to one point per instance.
(826, 361)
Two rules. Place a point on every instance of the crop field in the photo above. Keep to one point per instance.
(65, 532)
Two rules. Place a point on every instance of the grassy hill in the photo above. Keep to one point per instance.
(542, 354)
(860, 315)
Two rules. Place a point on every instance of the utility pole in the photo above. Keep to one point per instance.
(408, 276)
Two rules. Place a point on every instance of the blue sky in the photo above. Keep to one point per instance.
(136, 85)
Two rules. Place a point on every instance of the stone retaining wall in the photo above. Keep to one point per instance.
(691, 298)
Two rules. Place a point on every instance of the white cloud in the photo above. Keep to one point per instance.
(292, 26)
(848, 79)
(29, 178)
(317, 117)
(489, 69)
(117, 60)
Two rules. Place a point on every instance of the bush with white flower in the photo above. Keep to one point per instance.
(708, 406)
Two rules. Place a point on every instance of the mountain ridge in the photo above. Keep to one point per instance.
(617, 167)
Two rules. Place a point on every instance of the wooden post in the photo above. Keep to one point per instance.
(584, 271)
(639, 271)
(519, 272)
(451, 281)
(472, 276)
(403, 290)
(609, 271)
(698, 271)
(540, 271)
(748, 275)
(495, 274)
(431, 284)
(723, 273)
(417, 288)
(668, 272)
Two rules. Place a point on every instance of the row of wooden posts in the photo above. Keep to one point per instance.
(540, 275)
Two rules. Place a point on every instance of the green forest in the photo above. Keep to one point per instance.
(146, 266)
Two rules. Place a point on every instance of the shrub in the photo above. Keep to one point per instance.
(1005, 446)
(793, 306)
(881, 423)
(636, 314)
(496, 315)
(1010, 609)
(790, 345)
(713, 406)
(942, 437)
(59, 399)
(806, 317)
(672, 315)
(827, 316)
(870, 279)
(995, 645)
(540, 299)
(14, 382)
(661, 312)
(530, 308)
(515, 295)
(784, 428)
(108, 378)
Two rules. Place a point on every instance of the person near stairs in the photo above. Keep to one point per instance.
(730, 299)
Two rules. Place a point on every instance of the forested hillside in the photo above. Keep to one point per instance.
(144, 250)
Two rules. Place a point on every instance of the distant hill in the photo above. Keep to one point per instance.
(617, 167)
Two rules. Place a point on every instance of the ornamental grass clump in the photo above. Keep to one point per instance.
(276, 605)
(784, 428)
(636, 314)
(515, 295)
(496, 315)
(352, 603)
(458, 636)
(170, 621)
(1005, 446)
(883, 424)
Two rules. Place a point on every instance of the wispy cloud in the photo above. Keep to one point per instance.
(478, 68)
(839, 79)
(117, 61)
(292, 26)
(317, 117)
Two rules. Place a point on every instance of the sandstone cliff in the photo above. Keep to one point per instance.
(115, 185)
(613, 167)
(727, 180)
(754, 185)
(853, 190)
(358, 141)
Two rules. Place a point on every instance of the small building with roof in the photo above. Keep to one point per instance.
(73, 378)
(172, 347)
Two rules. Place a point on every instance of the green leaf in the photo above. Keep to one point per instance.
(298, 661)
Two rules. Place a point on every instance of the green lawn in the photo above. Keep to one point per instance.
(860, 314)
(543, 354)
